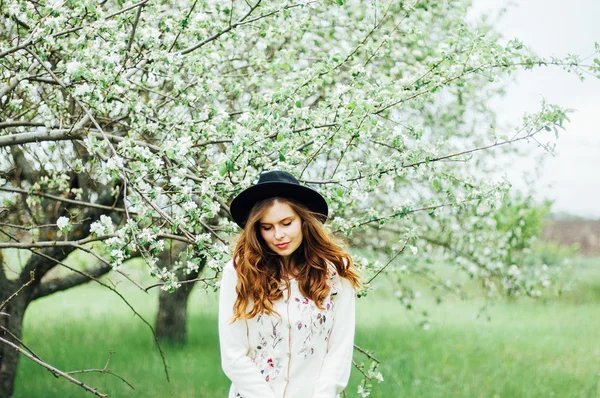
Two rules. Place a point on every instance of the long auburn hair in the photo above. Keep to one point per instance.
(260, 270)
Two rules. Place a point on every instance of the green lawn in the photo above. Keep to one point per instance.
(530, 348)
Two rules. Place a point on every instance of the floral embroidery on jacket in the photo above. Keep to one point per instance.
(309, 325)
(264, 355)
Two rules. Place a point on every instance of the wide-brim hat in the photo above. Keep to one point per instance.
(276, 184)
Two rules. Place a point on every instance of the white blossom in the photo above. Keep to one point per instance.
(63, 224)
(73, 66)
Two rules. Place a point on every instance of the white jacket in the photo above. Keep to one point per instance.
(305, 352)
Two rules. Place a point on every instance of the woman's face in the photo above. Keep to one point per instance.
(281, 228)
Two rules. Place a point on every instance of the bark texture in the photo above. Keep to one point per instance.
(171, 319)
(11, 329)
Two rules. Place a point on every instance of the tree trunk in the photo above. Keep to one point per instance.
(172, 314)
(172, 307)
(13, 322)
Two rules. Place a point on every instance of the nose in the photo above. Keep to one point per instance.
(279, 233)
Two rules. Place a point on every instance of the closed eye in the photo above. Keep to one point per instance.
(265, 228)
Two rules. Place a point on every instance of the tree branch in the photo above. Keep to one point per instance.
(52, 243)
(187, 18)
(133, 29)
(10, 86)
(92, 390)
(103, 370)
(62, 199)
(16, 48)
(18, 340)
(50, 135)
(56, 285)
(32, 278)
(367, 353)
(205, 280)
(62, 135)
(380, 270)
(5, 125)
(221, 32)
(427, 161)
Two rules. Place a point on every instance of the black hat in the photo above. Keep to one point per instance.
(272, 184)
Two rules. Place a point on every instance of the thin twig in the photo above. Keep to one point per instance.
(388, 263)
(220, 32)
(18, 340)
(367, 353)
(92, 390)
(186, 20)
(184, 282)
(5, 302)
(103, 370)
(114, 14)
(426, 161)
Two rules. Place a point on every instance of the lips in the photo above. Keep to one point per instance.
(283, 245)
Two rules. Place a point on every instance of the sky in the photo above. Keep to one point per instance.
(571, 178)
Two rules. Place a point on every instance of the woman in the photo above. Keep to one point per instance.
(286, 306)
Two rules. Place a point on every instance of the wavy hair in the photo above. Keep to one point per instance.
(260, 270)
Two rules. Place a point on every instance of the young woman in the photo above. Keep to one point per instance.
(286, 306)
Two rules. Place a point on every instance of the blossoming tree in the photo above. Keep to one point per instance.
(127, 126)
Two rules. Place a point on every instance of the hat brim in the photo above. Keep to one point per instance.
(242, 204)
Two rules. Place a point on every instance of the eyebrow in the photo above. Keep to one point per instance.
(283, 219)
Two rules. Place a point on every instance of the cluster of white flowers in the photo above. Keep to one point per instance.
(104, 226)
(113, 164)
(147, 235)
(168, 277)
(363, 391)
(63, 224)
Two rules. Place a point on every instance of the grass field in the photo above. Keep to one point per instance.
(530, 348)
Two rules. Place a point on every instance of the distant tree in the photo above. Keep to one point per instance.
(128, 125)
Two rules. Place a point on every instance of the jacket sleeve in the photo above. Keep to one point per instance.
(337, 364)
(233, 339)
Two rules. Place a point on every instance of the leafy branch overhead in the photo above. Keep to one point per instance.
(179, 105)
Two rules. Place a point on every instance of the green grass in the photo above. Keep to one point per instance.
(529, 348)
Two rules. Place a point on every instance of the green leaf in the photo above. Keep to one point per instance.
(170, 153)
(281, 157)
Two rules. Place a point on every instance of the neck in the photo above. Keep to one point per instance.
(288, 266)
